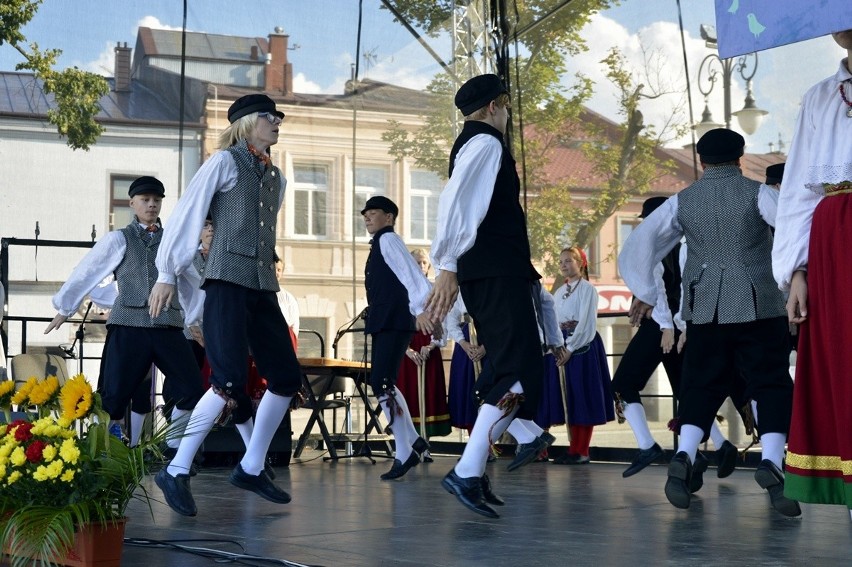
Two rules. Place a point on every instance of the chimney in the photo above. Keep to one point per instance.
(279, 72)
(253, 55)
(122, 68)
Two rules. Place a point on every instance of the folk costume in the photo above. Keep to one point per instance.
(462, 402)
(437, 418)
(243, 191)
(733, 311)
(813, 233)
(396, 294)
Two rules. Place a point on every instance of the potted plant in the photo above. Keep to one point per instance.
(61, 473)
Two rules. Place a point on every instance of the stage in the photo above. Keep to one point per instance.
(342, 515)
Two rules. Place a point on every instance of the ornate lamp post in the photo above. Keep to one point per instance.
(714, 69)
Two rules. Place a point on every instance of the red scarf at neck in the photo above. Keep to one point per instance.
(262, 156)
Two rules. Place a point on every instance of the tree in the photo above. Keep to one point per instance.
(556, 114)
(75, 92)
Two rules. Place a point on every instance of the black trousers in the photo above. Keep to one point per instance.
(237, 319)
(757, 352)
(128, 355)
(503, 310)
(641, 358)
(386, 354)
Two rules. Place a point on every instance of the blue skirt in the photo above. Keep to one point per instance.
(588, 392)
(462, 402)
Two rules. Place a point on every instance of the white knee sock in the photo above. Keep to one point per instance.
(773, 447)
(475, 455)
(690, 439)
(404, 433)
(518, 429)
(634, 413)
(177, 427)
(270, 412)
(137, 420)
(245, 430)
(754, 411)
(716, 435)
(200, 423)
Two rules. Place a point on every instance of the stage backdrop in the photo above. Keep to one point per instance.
(752, 25)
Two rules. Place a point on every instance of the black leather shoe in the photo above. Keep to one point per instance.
(420, 446)
(677, 483)
(488, 494)
(769, 477)
(643, 459)
(177, 493)
(259, 484)
(726, 459)
(547, 438)
(399, 468)
(169, 454)
(526, 453)
(698, 467)
(469, 493)
(571, 459)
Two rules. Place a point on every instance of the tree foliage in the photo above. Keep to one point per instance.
(622, 154)
(76, 92)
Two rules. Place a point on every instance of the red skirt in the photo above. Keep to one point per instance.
(437, 411)
(819, 457)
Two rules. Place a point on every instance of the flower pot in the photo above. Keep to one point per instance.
(94, 545)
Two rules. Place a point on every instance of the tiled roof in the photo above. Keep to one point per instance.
(199, 45)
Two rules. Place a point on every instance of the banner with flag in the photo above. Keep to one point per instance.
(744, 26)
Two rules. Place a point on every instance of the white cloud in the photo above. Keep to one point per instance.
(105, 63)
(302, 84)
(154, 23)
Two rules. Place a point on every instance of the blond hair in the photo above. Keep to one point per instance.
(480, 113)
(239, 130)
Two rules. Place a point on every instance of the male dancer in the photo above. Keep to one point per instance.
(482, 245)
(136, 338)
(652, 345)
(733, 311)
(243, 191)
(396, 293)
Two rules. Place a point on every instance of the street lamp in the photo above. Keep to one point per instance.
(712, 69)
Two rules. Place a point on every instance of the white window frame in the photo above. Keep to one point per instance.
(311, 189)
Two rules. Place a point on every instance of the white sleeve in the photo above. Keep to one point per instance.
(678, 319)
(552, 332)
(402, 263)
(465, 200)
(180, 240)
(646, 247)
(587, 318)
(453, 322)
(191, 296)
(100, 262)
(767, 203)
(796, 205)
(105, 293)
(661, 313)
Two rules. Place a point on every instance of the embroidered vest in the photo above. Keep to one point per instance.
(245, 218)
(728, 273)
(135, 277)
(386, 296)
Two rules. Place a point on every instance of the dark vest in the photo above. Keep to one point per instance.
(245, 218)
(135, 277)
(672, 279)
(502, 246)
(728, 273)
(386, 296)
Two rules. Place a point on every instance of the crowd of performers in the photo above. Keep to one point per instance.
(704, 264)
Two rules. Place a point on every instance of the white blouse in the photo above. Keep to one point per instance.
(581, 306)
(821, 152)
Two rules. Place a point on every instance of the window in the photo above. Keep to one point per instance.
(369, 181)
(594, 256)
(625, 227)
(310, 192)
(120, 213)
(425, 188)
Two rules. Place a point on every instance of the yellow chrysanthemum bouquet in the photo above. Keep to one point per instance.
(60, 468)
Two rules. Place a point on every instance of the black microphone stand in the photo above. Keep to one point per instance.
(78, 336)
(347, 328)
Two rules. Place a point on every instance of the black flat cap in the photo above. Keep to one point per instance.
(381, 202)
(477, 92)
(720, 145)
(249, 104)
(650, 205)
(774, 174)
(147, 185)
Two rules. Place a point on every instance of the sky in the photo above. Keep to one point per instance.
(323, 34)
